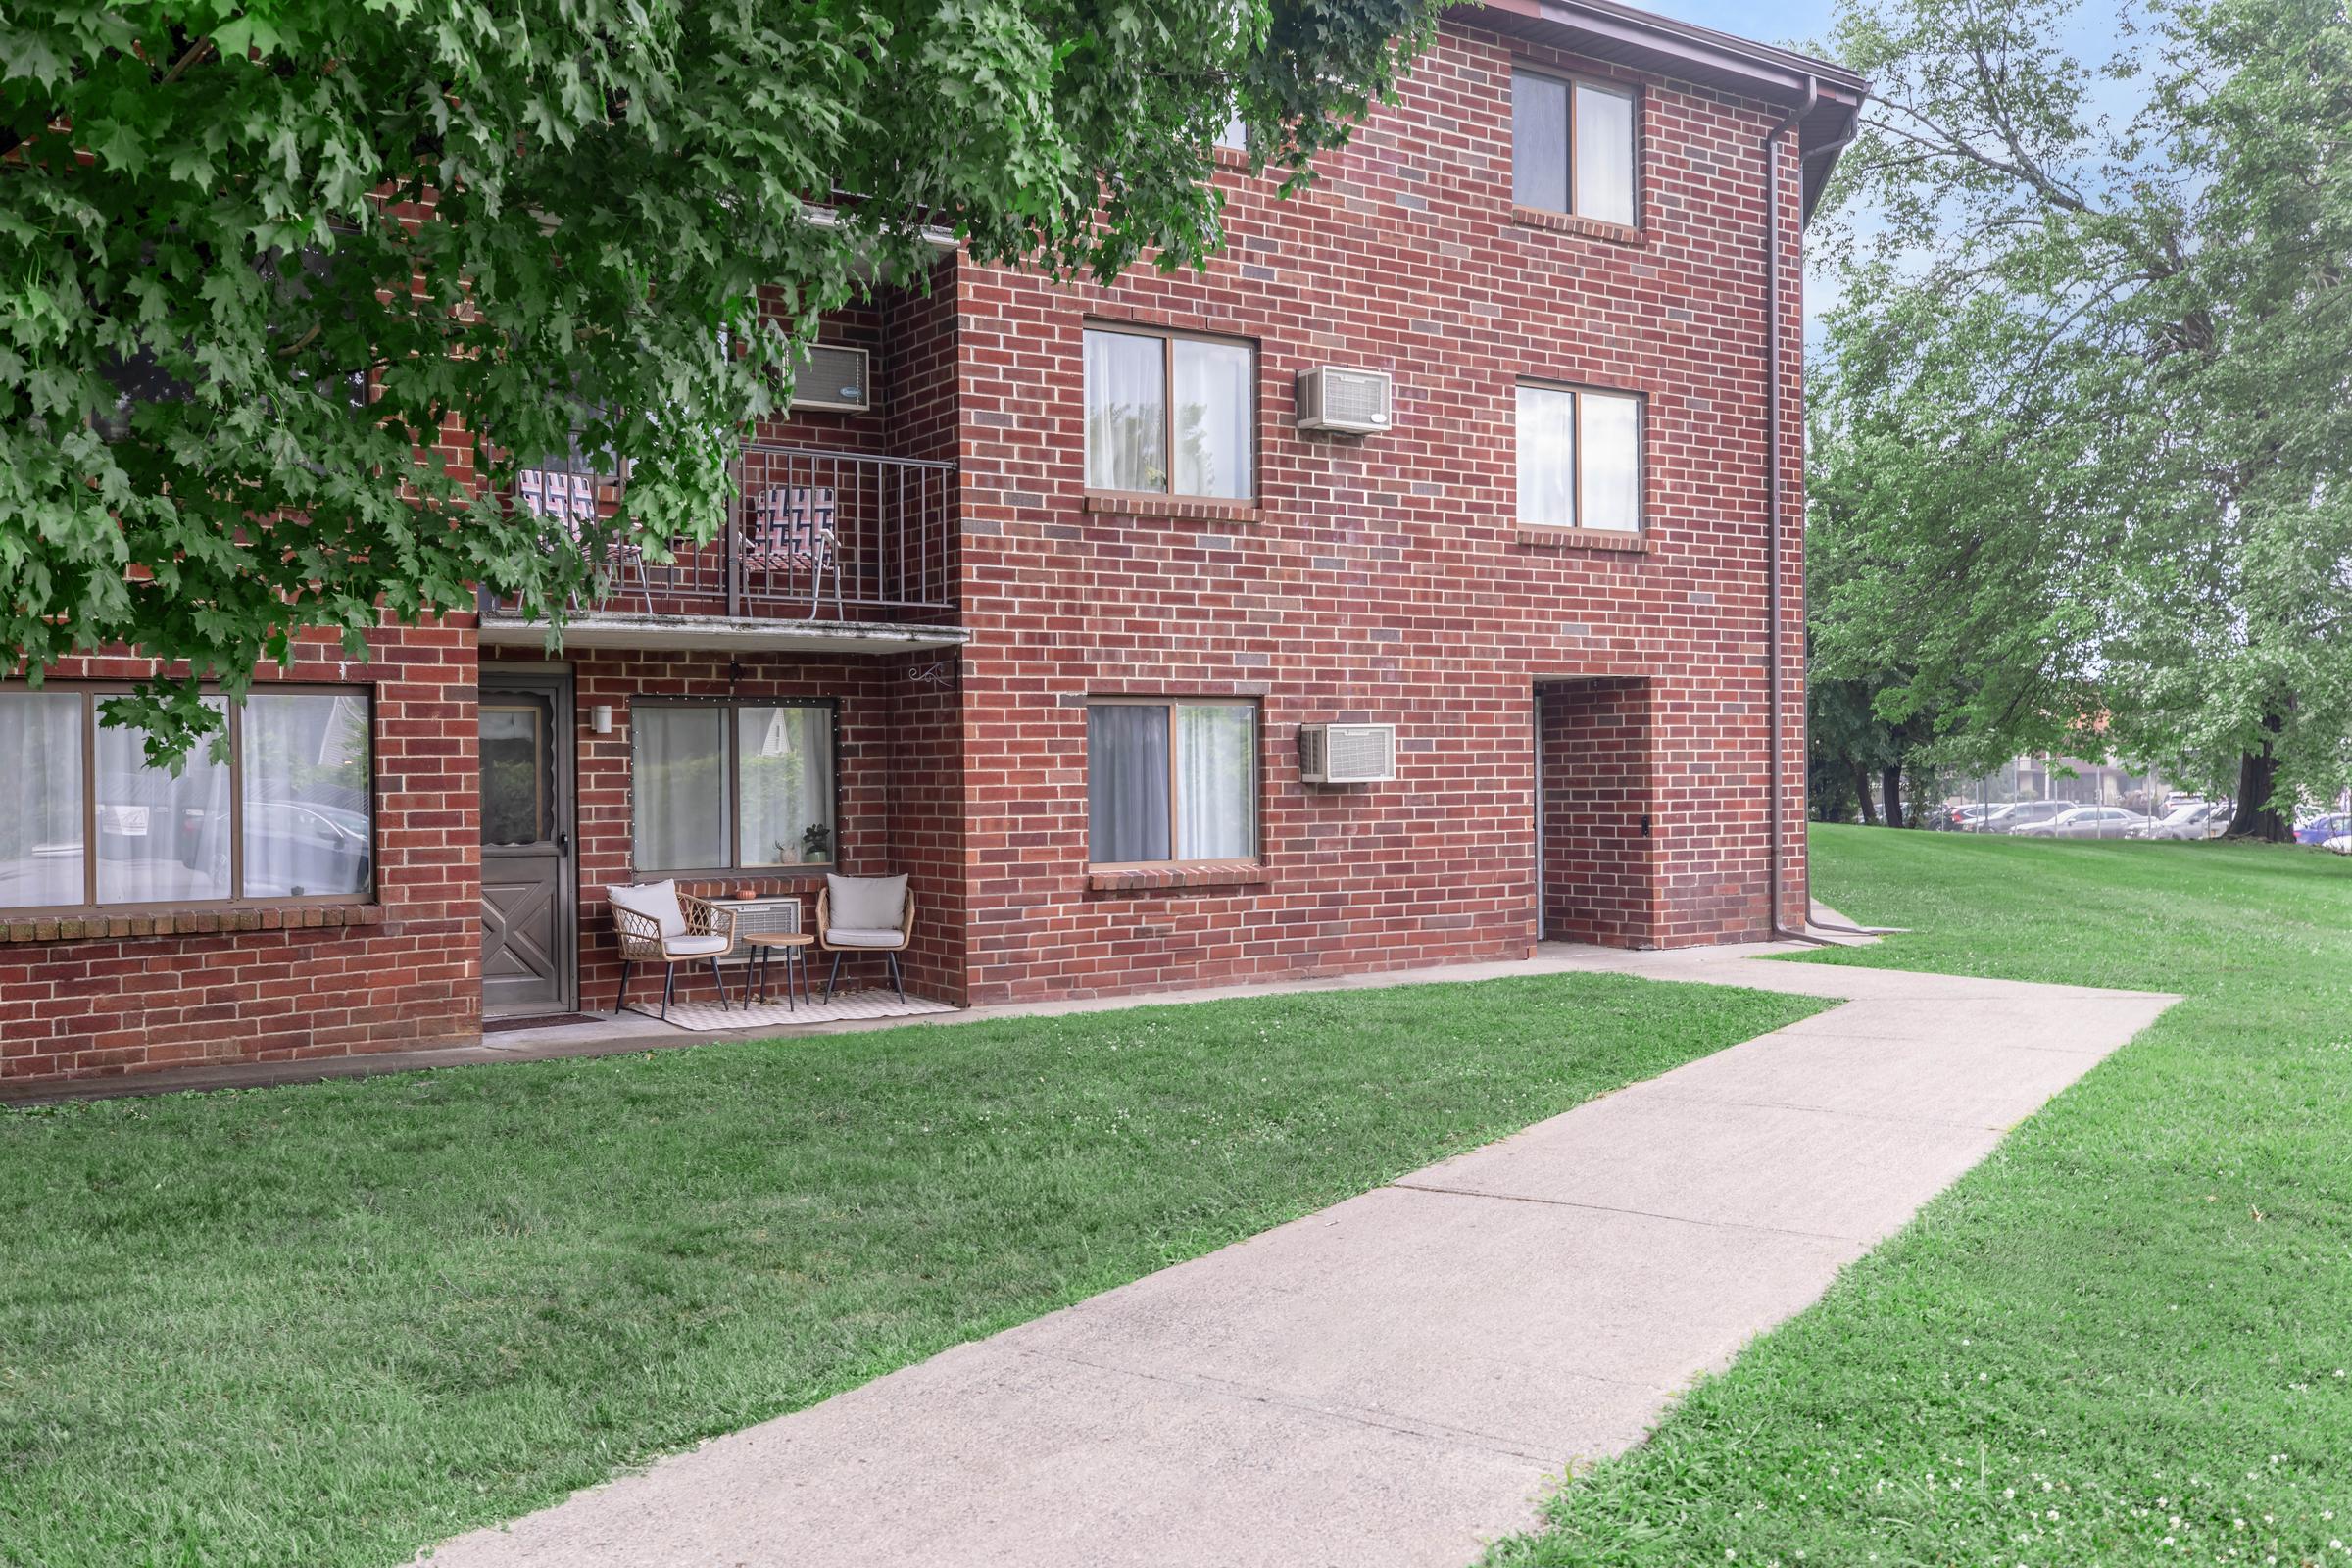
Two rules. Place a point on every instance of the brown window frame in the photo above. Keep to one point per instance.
(1576, 479)
(734, 770)
(90, 693)
(1575, 85)
(1168, 336)
(1257, 780)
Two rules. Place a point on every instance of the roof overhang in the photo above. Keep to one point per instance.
(734, 633)
(1620, 34)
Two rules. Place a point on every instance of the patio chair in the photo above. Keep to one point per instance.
(659, 924)
(571, 499)
(793, 534)
(865, 914)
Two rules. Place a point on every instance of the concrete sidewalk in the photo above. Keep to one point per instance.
(1395, 1380)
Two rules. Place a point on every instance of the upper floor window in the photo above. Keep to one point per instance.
(1170, 780)
(1572, 147)
(287, 815)
(1168, 413)
(731, 786)
(1580, 459)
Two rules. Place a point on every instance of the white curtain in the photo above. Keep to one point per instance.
(1126, 783)
(1215, 408)
(40, 800)
(1126, 413)
(161, 838)
(1604, 154)
(1216, 771)
(785, 761)
(1546, 457)
(1612, 483)
(1540, 142)
(304, 756)
(678, 762)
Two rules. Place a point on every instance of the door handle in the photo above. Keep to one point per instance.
(563, 842)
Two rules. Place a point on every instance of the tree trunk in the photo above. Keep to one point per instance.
(2257, 816)
(1870, 809)
(1890, 782)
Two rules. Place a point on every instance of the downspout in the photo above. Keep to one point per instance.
(1774, 720)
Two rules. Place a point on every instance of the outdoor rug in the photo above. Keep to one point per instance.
(705, 1017)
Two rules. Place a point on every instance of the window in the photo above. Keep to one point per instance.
(1572, 147)
(1170, 781)
(732, 786)
(288, 814)
(1152, 394)
(1580, 460)
(1235, 137)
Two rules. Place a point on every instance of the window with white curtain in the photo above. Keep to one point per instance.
(1170, 781)
(286, 812)
(731, 786)
(1168, 413)
(42, 855)
(1580, 459)
(1572, 147)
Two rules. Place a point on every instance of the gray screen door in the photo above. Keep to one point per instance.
(529, 899)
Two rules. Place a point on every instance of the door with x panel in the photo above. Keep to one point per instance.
(530, 897)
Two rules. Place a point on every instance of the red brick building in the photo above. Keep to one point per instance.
(1100, 570)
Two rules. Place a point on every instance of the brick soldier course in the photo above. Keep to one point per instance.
(1383, 579)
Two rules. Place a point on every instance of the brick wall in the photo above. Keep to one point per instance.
(137, 992)
(1385, 578)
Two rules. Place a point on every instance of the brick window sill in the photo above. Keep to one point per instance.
(1570, 223)
(1176, 509)
(1583, 539)
(98, 926)
(1160, 878)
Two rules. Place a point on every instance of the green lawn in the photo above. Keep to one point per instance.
(330, 1324)
(2126, 1338)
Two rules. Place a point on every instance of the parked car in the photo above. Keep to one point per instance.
(2320, 829)
(2019, 815)
(2089, 822)
(2195, 819)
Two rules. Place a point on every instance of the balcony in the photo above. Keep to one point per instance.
(820, 551)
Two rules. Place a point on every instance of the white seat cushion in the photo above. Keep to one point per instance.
(865, 936)
(656, 900)
(692, 946)
(865, 902)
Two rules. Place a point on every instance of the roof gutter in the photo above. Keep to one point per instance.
(1776, 720)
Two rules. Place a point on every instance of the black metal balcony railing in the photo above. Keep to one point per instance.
(808, 535)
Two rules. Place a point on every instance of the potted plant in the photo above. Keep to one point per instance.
(817, 843)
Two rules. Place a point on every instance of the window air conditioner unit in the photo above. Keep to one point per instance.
(1332, 397)
(1347, 754)
(834, 377)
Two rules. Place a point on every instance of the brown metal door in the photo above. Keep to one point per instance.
(531, 900)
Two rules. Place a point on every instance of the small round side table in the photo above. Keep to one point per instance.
(763, 945)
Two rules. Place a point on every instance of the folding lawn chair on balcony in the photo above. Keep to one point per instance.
(571, 500)
(791, 536)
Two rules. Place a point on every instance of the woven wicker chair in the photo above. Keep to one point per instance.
(659, 924)
(869, 896)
